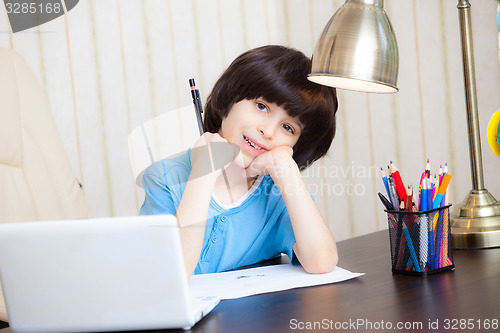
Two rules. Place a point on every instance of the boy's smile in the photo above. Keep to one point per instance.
(252, 146)
(258, 126)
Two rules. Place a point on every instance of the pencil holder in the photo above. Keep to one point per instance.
(420, 241)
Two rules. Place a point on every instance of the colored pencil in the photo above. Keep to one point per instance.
(386, 183)
(400, 188)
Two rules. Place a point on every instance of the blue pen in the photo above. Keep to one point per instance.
(416, 246)
(424, 224)
(412, 249)
(424, 196)
(431, 251)
(386, 183)
(431, 230)
(437, 201)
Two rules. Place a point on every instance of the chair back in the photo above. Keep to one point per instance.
(36, 179)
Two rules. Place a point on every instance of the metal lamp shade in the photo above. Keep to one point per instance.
(357, 50)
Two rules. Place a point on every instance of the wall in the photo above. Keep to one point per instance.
(110, 65)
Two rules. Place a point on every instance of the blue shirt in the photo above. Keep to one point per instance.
(257, 228)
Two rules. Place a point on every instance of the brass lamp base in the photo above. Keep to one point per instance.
(475, 223)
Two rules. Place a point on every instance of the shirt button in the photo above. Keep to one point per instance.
(223, 218)
(214, 239)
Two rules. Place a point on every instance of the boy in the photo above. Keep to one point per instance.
(259, 207)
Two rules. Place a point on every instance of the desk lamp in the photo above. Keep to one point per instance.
(357, 50)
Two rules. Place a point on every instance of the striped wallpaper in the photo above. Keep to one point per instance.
(108, 66)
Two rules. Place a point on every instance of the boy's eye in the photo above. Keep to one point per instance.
(262, 107)
(288, 128)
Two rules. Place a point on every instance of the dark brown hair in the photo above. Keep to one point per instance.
(278, 74)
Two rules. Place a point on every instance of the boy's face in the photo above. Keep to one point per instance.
(258, 126)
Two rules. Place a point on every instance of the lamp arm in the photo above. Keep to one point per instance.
(475, 223)
(471, 95)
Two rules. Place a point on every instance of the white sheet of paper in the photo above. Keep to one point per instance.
(252, 281)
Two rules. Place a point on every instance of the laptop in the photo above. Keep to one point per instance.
(102, 274)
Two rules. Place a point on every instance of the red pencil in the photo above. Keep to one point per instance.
(400, 188)
(409, 199)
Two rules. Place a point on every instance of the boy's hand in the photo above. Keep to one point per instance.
(275, 162)
(210, 154)
(208, 137)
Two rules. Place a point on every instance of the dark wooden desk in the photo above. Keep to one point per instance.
(469, 295)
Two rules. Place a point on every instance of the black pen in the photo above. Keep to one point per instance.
(197, 105)
(199, 110)
(385, 201)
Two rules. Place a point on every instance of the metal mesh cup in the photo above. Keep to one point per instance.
(420, 241)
